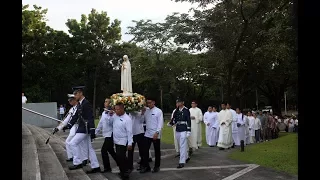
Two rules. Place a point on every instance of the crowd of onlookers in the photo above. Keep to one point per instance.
(271, 125)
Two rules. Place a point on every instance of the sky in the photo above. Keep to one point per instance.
(124, 10)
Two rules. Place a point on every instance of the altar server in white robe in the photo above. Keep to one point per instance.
(241, 125)
(251, 128)
(247, 132)
(196, 117)
(212, 126)
(235, 136)
(225, 131)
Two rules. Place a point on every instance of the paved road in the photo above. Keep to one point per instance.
(205, 164)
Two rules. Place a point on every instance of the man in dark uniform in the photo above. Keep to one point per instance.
(85, 132)
(181, 118)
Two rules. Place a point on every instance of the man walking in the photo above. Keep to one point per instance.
(181, 118)
(225, 132)
(196, 117)
(235, 136)
(212, 126)
(154, 124)
(106, 128)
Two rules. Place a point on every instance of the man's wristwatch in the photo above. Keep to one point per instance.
(157, 132)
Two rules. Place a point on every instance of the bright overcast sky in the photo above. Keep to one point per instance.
(124, 10)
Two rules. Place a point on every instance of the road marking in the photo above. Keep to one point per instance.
(242, 172)
(207, 167)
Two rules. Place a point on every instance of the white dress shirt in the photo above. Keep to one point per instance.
(154, 122)
(104, 126)
(257, 124)
(137, 122)
(122, 129)
(211, 118)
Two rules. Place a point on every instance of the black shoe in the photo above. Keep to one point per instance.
(180, 166)
(198, 147)
(155, 169)
(150, 159)
(69, 160)
(106, 170)
(139, 168)
(211, 146)
(221, 148)
(94, 170)
(187, 160)
(232, 146)
(178, 155)
(144, 170)
(74, 167)
(84, 163)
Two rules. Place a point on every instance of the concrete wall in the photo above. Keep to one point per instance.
(49, 109)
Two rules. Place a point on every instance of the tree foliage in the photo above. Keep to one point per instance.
(247, 47)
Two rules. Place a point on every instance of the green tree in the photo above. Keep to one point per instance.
(93, 38)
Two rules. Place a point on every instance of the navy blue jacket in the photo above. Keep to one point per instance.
(87, 115)
(182, 116)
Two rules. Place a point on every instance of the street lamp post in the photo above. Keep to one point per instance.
(285, 103)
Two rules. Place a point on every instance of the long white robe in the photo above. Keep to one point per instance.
(197, 113)
(212, 127)
(241, 128)
(225, 131)
(251, 129)
(235, 136)
(247, 132)
(126, 79)
(199, 137)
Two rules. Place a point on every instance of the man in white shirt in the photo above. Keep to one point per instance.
(61, 112)
(122, 138)
(257, 127)
(235, 136)
(73, 102)
(154, 124)
(251, 127)
(138, 134)
(24, 99)
(106, 129)
(212, 126)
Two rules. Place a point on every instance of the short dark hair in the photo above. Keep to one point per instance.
(223, 102)
(151, 98)
(238, 108)
(120, 104)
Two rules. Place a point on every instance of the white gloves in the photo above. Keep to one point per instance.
(188, 133)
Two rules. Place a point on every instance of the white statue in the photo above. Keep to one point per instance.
(126, 80)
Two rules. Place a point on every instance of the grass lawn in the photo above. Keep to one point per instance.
(167, 133)
(280, 154)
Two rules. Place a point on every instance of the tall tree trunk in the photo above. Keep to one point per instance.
(94, 92)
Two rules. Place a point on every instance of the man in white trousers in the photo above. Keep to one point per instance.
(181, 118)
(72, 132)
(85, 132)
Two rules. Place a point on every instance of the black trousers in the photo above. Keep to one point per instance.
(257, 135)
(122, 160)
(137, 139)
(146, 147)
(107, 148)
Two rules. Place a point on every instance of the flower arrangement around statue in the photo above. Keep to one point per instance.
(131, 103)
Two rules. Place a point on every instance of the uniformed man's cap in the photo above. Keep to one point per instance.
(179, 100)
(70, 97)
(77, 89)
